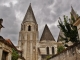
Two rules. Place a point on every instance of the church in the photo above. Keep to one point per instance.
(29, 43)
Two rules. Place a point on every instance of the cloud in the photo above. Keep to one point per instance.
(9, 22)
(45, 11)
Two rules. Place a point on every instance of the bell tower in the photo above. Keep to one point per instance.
(28, 36)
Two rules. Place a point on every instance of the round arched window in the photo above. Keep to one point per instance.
(29, 28)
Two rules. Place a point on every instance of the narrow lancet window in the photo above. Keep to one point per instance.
(29, 28)
(48, 50)
(52, 50)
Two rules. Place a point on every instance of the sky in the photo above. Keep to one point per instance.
(46, 12)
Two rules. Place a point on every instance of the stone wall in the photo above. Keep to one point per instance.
(71, 53)
(5, 47)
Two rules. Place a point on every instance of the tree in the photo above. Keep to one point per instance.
(48, 56)
(70, 31)
(60, 49)
(14, 55)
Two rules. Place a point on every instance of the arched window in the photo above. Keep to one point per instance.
(29, 28)
(52, 50)
(47, 50)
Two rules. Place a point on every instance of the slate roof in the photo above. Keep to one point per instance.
(46, 35)
(75, 15)
(72, 10)
(59, 36)
(29, 16)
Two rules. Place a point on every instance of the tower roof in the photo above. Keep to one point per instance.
(29, 16)
(46, 35)
(75, 15)
(72, 10)
(61, 34)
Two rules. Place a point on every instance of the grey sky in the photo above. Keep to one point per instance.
(45, 11)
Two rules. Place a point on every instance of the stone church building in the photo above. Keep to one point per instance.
(32, 48)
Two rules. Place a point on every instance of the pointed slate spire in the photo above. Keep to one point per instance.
(74, 13)
(72, 10)
(46, 35)
(61, 34)
(29, 16)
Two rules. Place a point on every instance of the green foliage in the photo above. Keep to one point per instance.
(48, 56)
(70, 31)
(14, 55)
(60, 49)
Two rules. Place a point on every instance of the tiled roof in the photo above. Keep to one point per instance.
(4, 41)
(9, 41)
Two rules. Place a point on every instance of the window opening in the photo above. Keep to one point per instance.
(52, 50)
(29, 28)
(48, 50)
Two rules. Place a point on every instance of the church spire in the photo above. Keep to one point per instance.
(61, 34)
(72, 10)
(29, 16)
(74, 13)
(46, 35)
